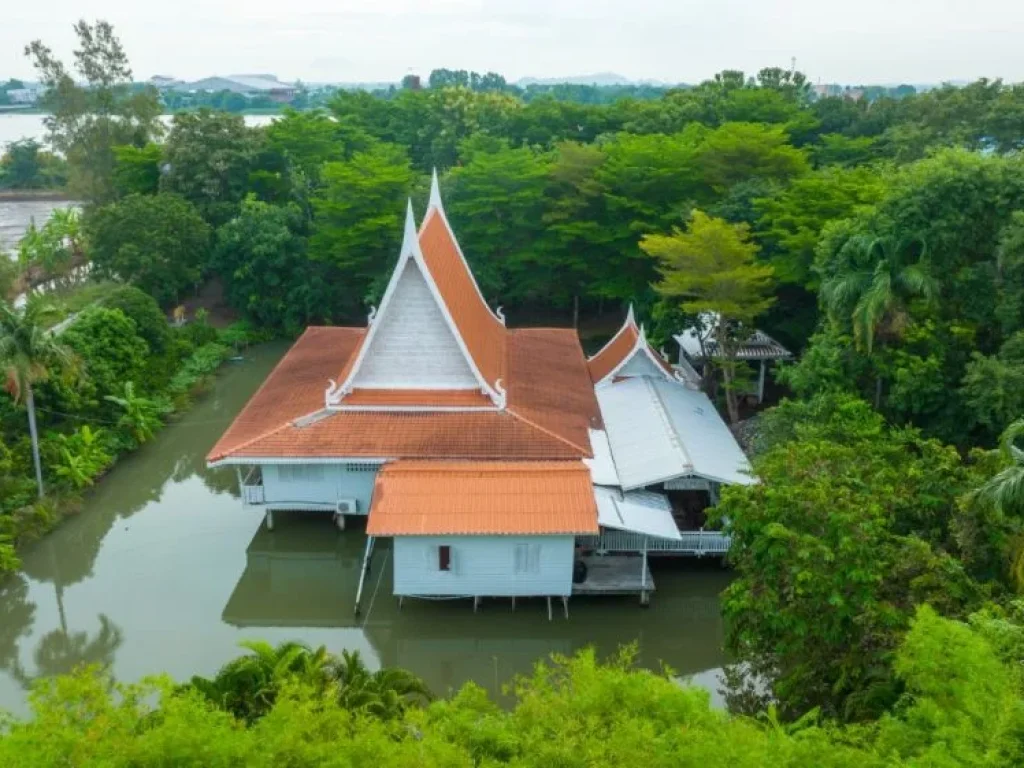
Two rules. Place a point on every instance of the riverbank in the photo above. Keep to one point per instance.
(85, 446)
(32, 195)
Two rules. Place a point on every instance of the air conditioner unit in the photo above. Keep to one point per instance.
(347, 506)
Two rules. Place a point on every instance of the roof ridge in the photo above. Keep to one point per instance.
(257, 438)
(550, 433)
(659, 404)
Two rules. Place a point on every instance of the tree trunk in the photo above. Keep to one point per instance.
(30, 401)
(878, 393)
(576, 311)
(730, 393)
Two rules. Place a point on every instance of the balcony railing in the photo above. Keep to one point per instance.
(252, 487)
(695, 543)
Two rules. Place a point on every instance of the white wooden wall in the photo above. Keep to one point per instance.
(414, 347)
(319, 483)
(484, 565)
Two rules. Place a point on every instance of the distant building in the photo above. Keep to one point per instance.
(28, 95)
(247, 85)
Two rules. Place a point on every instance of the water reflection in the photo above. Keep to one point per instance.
(164, 571)
(305, 574)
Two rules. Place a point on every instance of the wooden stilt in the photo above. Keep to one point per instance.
(365, 570)
(269, 520)
(760, 383)
(513, 603)
(401, 598)
(549, 607)
(476, 603)
(565, 605)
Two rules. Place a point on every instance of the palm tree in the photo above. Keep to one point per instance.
(60, 652)
(876, 291)
(1005, 490)
(385, 693)
(29, 354)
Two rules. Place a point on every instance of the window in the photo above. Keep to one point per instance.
(526, 558)
(297, 473)
(444, 558)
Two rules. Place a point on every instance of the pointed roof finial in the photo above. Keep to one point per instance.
(409, 237)
(435, 192)
(630, 319)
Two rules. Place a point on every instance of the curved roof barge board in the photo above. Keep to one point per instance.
(410, 252)
(435, 206)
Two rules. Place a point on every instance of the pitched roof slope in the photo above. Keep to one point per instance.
(482, 333)
(294, 388)
(551, 407)
(628, 341)
(426, 498)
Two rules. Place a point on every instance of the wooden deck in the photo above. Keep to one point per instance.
(614, 575)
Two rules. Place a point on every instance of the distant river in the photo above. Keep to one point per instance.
(14, 127)
(15, 215)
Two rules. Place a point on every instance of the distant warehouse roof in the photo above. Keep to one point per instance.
(237, 84)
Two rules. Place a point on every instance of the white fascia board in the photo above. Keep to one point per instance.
(251, 460)
(418, 408)
(410, 251)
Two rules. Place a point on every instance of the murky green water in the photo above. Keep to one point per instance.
(165, 571)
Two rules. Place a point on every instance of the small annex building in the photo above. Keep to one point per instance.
(490, 456)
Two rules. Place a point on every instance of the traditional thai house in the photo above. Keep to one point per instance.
(490, 456)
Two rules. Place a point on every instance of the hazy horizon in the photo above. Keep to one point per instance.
(665, 40)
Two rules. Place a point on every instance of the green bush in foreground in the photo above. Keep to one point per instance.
(963, 706)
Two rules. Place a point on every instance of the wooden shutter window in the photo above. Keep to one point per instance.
(444, 557)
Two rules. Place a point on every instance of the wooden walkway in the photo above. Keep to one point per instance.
(615, 575)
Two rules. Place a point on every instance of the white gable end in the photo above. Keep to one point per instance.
(414, 347)
(640, 364)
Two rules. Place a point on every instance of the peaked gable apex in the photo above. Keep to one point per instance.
(412, 278)
(627, 350)
(435, 207)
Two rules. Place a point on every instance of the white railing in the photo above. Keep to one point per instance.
(253, 494)
(692, 543)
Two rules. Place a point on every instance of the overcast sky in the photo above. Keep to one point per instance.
(872, 41)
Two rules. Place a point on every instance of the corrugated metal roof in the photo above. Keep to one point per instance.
(637, 511)
(659, 429)
(424, 498)
(759, 346)
(602, 466)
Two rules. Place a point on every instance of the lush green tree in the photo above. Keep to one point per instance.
(82, 456)
(832, 555)
(158, 242)
(993, 386)
(739, 152)
(29, 355)
(25, 166)
(208, 156)
(791, 222)
(142, 309)
(267, 274)
(711, 271)
(137, 169)
(94, 109)
(358, 215)
(111, 351)
(496, 202)
(1005, 491)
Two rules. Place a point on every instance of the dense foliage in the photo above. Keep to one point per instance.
(962, 706)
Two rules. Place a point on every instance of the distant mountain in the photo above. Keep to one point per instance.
(600, 78)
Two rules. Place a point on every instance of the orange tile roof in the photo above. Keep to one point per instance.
(614, 352)
(551, 406)
(413, 498)
(295, 387)
(617, 351)
(482, 332)
(437, 398)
